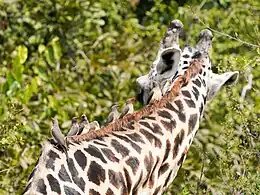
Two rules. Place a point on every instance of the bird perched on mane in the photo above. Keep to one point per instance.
(56, 132)
(94, 125)
(113, 115)
(155, 93)
(166, 86)
(59, 138)
(83, 123)
(74, 127)
(129, 107)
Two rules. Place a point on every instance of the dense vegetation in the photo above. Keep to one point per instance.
(65, 58)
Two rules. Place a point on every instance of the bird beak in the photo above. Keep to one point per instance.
(132, 99)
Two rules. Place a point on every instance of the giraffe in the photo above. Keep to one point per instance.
(141, 153)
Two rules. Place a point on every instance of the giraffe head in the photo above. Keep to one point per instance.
(211, 82)
(171, 62)
(166, 62)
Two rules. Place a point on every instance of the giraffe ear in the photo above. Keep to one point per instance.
(169, 60)
(216, 81)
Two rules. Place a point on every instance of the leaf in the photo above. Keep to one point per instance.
(41, 48)
(18, 71)
(13, 88)
(56, 49)
(22, 53)
(29, 90)
(49, 55)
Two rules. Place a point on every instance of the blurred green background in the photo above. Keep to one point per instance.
(63, 58)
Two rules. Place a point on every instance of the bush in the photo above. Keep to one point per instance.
(65, 58)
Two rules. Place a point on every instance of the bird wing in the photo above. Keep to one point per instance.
(110, 117)
(125, 111)
(73, 130)
(57, 135)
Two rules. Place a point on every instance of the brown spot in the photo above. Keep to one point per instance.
(195, 92)
(149, 117)
(69, 191)
(81, 159)
(41, 187)
(148, 162)
(54, 183)
(152, 176)
(201, 108)
(190, 103)
(96, 173)
(93, 192)
(169, 126)
(109, 192)
(197, 82)
(167, 150)
(75, 175)
(130, 125)
(63, 174)
(181, 159)
(167, 179)
(95, 152)
(51, 160)
(157, 190)
(136, 186)
(192, 122)
(127, 140)
(117, 180)
(177, 142)
(135, 137)
(155, 128)
(164, 114)
(99, 143)
(163, 168)
(179, 104)
(109, 154)
(151, 138)
(128, 181)
(186, 93)
(133, 162)
(179, 111)
(119, 148)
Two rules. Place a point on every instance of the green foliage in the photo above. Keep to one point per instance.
(65, 58)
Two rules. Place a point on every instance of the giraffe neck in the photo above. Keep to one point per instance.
(175, 126)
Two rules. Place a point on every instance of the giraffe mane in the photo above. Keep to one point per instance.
(194, 69)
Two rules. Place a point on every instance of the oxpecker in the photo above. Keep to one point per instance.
(113, 115)
(56, 132)
(155, 93)
(129, 108)
(74, 127)
(83, 123)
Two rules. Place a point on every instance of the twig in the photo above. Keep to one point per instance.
(99, 39)
(247, 87)
(224, 34)
(4, 170)
(201, 174)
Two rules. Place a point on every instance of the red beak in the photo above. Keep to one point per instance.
(132, 99)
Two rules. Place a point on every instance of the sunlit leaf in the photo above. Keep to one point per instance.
(22, 53)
